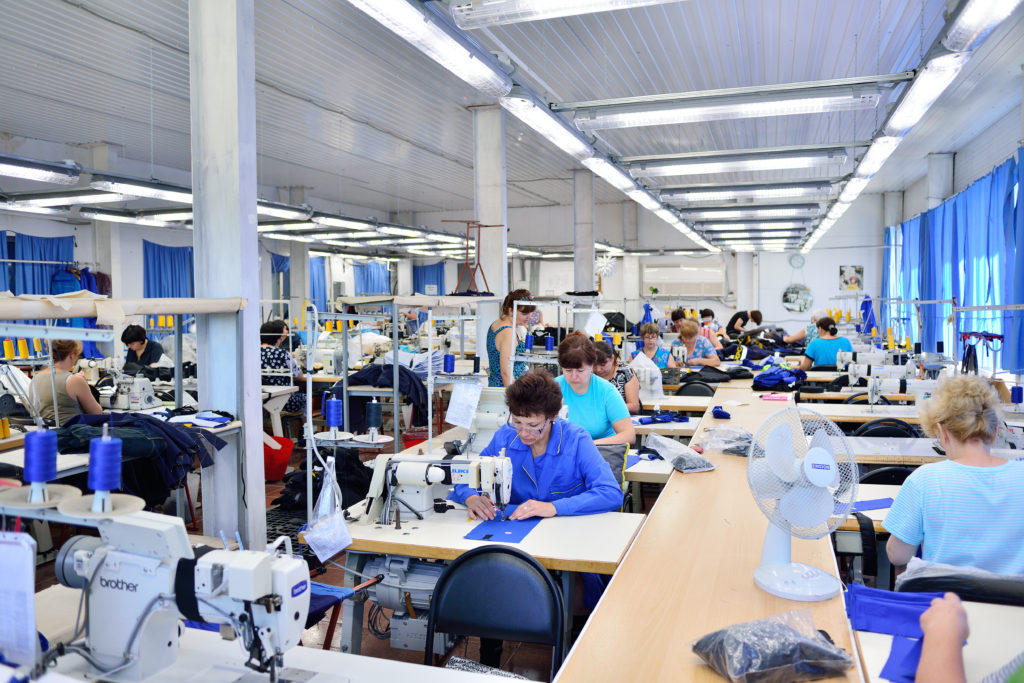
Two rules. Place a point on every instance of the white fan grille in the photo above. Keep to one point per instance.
(770, 490)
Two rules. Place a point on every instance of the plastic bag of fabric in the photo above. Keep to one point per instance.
(649, 376)
(731, 440)
(777, 649)
(683, 458)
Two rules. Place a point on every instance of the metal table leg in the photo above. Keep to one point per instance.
(568, 584)
(352, 609)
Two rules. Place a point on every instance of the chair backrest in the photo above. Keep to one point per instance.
(862, 397)
(996, 591)
(894, 476)
(695, 389)
(824, 368)
(888, 427)
(615, 455)
(498, 591)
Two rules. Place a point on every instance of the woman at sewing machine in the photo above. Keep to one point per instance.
(140, 349)
(823, 350)
(695, 347)
(652, 347)
(278, 364)
(73, 395)
(593, 403)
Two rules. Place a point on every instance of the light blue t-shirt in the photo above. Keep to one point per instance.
(596, 409)
(963, 515)
(823, 351)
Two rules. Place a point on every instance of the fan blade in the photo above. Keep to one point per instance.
(821, 439)
(779, 453)
(807, 506)
(764, 482)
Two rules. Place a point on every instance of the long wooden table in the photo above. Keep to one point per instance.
(859, 412)
(690, 572)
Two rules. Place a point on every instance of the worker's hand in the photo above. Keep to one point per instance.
(946, 621)
(480, 507)
(533, 508)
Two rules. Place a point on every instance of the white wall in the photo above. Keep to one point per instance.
(992, 147)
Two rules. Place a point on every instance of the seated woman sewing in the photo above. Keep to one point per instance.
(73, 396)
(278, 365)
(140, 349)
(965, 510)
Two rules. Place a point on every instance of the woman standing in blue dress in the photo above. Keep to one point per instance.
(502, 336)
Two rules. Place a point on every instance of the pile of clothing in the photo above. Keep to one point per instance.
(778, 378)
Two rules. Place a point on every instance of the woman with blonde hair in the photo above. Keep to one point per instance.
(967, 509)
(72, 396)
(698, 350)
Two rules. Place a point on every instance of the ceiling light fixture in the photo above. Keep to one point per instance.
(400, 232)
(610, 248)
(447, 239)
(475, 14)
(142, 188)
(278, 227)
(289, 238)
(285, 211)
(922, 92)
(124, 217)
(732, 163)
(45, 210)
(612, 174)
(65, 198)
(58, 173)
(765, 211)
(753, 225)
(975, 21)
(714, 194)
(854, 186)
(535, 114)
(341, 222)
(644, 199)
(436, 39)
(878, 153)
(171, 216)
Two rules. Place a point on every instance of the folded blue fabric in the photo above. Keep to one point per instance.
(875, 504)
(720, 413)
(881, 611)
(747, 363)
(503, 531)
(904, 657)
(646, 420)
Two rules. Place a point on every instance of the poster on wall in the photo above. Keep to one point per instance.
(851, 277)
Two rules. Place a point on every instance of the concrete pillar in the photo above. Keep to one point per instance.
(108, 246)
(940, 178)
(744, 281)
(491, 203)
(298, 281)
(630, 227)
(405, 278)
(892, 208)
(631, 284)
(223, 105)
(583, 234)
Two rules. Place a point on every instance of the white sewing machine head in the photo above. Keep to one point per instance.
(921, 389)
(855, 371)
(141, 578)
(412, 484)
(874, 357)
(491, 415)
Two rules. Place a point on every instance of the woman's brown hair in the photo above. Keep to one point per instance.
(575, 351)
(534, 392)
(518, 295)
(62, 348)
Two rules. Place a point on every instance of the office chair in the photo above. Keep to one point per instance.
(695, 389)
(862, 397)
(995, 591)
(615, 455)
(888, 427)
(893, 476)
(500, 592)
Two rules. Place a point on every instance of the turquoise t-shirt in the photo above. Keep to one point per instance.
(823, 351)
(596, 409)
(963, 515)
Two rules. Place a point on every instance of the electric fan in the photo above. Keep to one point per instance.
(804, 479)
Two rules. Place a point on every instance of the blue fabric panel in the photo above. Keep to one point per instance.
(889, 269)
(278, 263)
(372, 277)
(1013, 323)
(34, 278)
(904, 656)
(167, 271)
(876, 504)
(882, 611)
(428, 275)
(5, 270)
(318, 282)
(502, 531)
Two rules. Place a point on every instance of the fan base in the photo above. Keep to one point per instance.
(797, 581)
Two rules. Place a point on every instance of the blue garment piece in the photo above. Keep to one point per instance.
(904, 656)
(867, 313)
(881, 611)
(596, 409)
(648, 315)
(502, 531)
(747, 363)
(719, 413)
(778, 378)
(570, 473)
(876, 504)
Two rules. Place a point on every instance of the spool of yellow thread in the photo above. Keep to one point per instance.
(329, 326)
(8, 349)
(598, 337)
(847, 315)
(874, 331)
(908, 341)
(616, 338)
(161, 321)
(37, 345)
(23, 348)
(5, 428)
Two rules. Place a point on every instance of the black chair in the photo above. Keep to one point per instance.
(893, 476)
(499, 592)
(888, 427)
(615, 455)
(695, 389)
(862, 397)
(824, 368)
(996, 591)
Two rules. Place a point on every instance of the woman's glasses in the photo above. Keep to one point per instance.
(524, 428)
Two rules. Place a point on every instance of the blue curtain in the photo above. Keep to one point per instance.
(167, 271)
(428, 275)
(34, 278)
(889, 269)
(318, 282)
(278, 263)
(1013, 276)
(372, 277)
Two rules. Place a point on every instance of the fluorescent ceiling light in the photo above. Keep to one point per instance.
(922, 92)
(445, 45)
(447, 239)
(475, 14)
(142, 188)
(975, 21)
(665, 110)
(65, 198)
(173, 215)
(285, 211)
(45, 210)
(854, 186)
(535, 114)
(614, 175)
(880, 150)
(278, 227)
(732, 163)
(728, 235)
(339, 243)
(289, 238)
(754, 225)
(766, 211)
(610, 248)
(338, 222)
(421, 252)
(30, 169)
(667, 216)
(527, 252)
(644, 199)
(837, 210)
(554, 255)
(714, 194)
(123, 217)
(400, 232)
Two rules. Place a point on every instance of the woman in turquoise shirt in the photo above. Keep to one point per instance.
(594, 403)
(823, 350)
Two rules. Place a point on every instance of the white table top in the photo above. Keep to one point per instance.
(668, 428)
(858, 412)
(271, 391)
(694, 403)
(997, 636)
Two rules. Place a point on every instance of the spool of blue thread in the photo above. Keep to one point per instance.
(634, 330)
(476, 365)
(105, 464)
(40, 456)
(333, 412)
(639, 345)
(549, 343)
(529, 342)
(374, 415)
(449, 362)
(1017, 395)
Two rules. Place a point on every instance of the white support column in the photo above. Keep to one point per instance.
(298, 282)
(631, 284)
(222, 76)
(744, 281)
(491, 203)
(892, 208)
(630, 224)
(582, 235)
(108, 246)
(404, 287)
(940, 178)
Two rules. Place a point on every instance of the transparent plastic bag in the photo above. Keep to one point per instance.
(649, 376)
(731, 440)
(777, 649)
(683, 458)
(329, 534)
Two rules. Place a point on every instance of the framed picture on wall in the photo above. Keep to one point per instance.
(851, 277)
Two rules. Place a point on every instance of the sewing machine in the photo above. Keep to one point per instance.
(90, 367)
(141, 577)
(921, 389)
(855, 371)
(130, 393)
(491, 415)
(865, 357)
